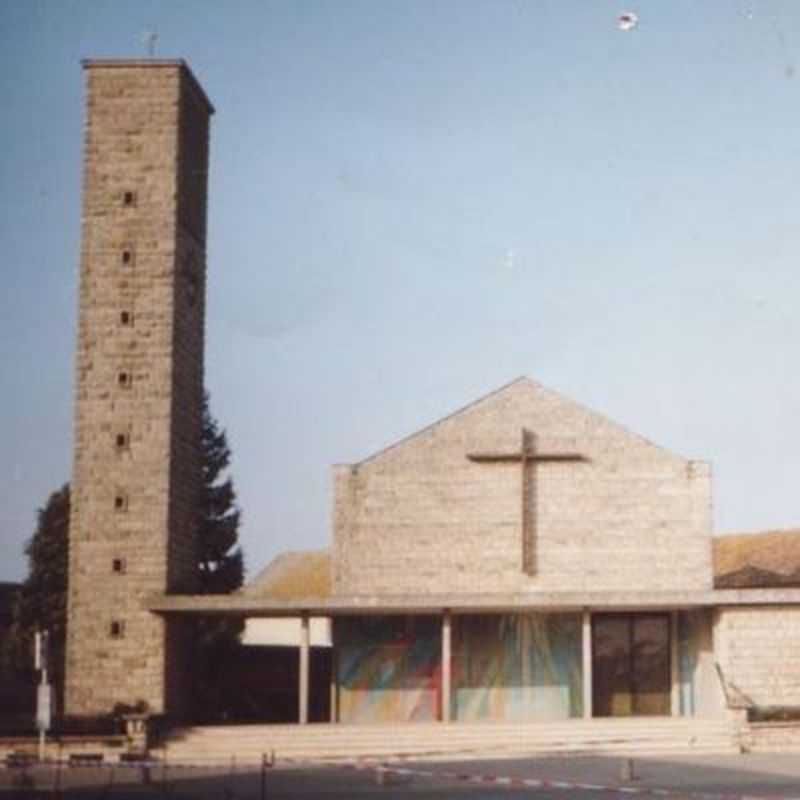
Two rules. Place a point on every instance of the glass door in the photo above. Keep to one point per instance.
(631, 665)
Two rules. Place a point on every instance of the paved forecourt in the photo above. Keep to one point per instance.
(735, 777)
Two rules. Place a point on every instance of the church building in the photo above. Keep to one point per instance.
(522, 559)
(527, 559)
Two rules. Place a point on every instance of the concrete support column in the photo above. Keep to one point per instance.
(446, 665)
(587, 664)
(334, 683)
(304, 670)
(674, 665)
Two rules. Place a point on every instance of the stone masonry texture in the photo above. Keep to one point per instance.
(421, 517)
(139, 381)
(758, 650)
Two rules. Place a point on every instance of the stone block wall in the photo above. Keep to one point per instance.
(421, 517)
(758, 649)
(139, 379)
(772, 737)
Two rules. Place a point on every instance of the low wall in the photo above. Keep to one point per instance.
(772, 737)
(111, 747)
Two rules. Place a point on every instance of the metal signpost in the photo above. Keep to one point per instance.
(44, 692)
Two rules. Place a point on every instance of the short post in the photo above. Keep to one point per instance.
(229, 788)
(263, 776)
(626, 772)
(110, 784)
(57, 780)
(136, 733)
(164, 782)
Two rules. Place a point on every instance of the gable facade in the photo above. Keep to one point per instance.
(432, 514)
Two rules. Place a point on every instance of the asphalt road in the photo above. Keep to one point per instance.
(686, 778)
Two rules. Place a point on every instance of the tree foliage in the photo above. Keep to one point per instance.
(220, 571)
(219, 559)
(42, 599)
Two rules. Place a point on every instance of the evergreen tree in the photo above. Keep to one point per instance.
(219, 559)
(220, 571)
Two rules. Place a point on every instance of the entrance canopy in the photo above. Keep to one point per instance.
(243, 605)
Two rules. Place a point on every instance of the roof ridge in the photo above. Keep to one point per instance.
(523, 379)
(445, 418)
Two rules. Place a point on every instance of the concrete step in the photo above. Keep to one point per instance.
(247, 743)
(346, 751)
(527, 736)
(454, 730)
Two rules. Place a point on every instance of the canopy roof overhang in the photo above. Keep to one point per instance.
(243, 605)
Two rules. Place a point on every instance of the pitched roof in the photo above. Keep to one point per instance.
(770, 559)
(757, 560)
(518, 383)
(293, 575)
(374, 456)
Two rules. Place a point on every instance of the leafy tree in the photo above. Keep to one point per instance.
(42, 599)
(16, 685)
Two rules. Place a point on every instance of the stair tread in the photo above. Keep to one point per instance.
(323, 741)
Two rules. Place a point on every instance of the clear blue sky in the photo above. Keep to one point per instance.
(412, 203)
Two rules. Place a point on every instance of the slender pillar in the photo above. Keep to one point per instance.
(587, 664)
(304, 669)
(334, 683)
(674, 665)
(446, 665)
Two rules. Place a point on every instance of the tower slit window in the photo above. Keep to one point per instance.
(117, 629)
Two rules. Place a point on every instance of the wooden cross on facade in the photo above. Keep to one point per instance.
(528, 457)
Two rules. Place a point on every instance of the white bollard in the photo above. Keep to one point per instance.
(626, 772)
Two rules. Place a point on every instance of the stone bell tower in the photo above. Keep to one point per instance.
(139, 389)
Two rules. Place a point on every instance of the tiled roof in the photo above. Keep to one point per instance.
(741, 561)
(757, 560)
(293, 575)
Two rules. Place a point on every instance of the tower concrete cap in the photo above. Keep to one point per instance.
(151, 63)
